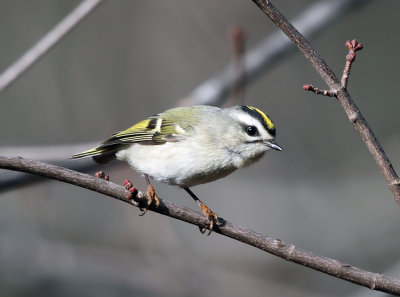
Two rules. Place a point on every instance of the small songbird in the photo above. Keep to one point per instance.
(188, 146)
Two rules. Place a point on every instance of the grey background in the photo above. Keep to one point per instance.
(132, 59)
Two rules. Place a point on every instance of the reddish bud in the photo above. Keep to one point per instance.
(358, 47)
(307, 87)
(102, 175)
(128, 185)
(132, 191)
(354, 45)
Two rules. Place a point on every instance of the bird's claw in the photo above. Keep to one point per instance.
(151, 198)
(212, 218)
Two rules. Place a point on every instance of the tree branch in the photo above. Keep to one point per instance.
(270, 51)
(57, 154)
(374, 281)
(46, 43)
(343, 96)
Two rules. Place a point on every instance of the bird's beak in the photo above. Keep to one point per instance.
(272, 144)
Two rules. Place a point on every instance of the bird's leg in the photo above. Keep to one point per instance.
(211, 216)
(151, 195)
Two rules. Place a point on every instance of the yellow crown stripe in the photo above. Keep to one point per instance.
(267, 120)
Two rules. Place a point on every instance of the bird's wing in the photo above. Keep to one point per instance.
(170, 126)
(154, 130)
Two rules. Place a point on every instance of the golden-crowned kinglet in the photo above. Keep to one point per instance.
(187, 146)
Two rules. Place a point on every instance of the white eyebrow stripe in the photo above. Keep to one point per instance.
(249, 120)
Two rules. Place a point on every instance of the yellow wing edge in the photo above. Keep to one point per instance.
(89, 153)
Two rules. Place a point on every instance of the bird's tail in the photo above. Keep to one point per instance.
(101, 154)
(89, 153)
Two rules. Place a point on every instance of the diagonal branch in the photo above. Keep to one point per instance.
(46, 43)
(289, 252)
(343, 96)
(270, 51)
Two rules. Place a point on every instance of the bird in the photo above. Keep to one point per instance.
(189, 146)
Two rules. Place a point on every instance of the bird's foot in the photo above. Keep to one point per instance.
(151, 198)
(150, 194)
(211, 216)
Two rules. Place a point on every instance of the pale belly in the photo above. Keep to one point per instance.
(172, 164)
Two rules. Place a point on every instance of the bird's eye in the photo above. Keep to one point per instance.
(251, 130)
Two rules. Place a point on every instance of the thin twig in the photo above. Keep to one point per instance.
(353, 47)
(328, 93)
(270, 51)
(374, 281)
(46, 43)
(343, 96)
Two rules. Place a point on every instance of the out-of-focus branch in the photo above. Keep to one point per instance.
(270, 51)
(54, 153)
(46, 153)
(238, 36)
(343, 96)
(11, 180)
(46, 43)
(277, 247)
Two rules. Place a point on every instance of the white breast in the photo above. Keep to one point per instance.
(178, 163)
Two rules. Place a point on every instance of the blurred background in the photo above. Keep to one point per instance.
(132, 59)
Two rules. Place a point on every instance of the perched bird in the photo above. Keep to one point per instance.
(188, 146)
